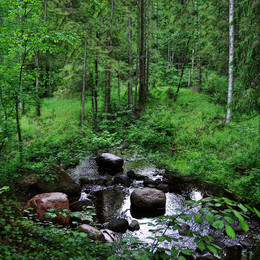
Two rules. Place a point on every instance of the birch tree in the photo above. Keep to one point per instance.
(231, 57)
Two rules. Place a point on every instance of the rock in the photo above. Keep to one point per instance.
(148, 182)
(109, 235)
(122, 179)
(85, 180)
(148, 198)
(41, 203)
(63, 183)
(245, 243)
(118, 225)
(109, 163)
(80, 205)
(184, 230)
(93, 233)
(134, 225)
(131, 174)
(163, 187)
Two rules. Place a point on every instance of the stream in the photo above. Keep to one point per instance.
(112, 201)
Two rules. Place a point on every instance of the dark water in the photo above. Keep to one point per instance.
(114, 201)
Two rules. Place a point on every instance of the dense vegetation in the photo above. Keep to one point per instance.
(155, 80)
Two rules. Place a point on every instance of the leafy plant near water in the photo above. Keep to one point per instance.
(22, 238)
(220, 213)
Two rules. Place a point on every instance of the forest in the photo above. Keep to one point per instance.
(173, 81)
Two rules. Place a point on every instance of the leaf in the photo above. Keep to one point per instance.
(209, 218)
(238, 215)
(198, 218)
(174, 252)
(162, 238)
(242, 207)
(244, 226)
(201, 246)
(187, 251)
(186, 217)
(182, 258)
(257, 212)
(145, 257)
(212, 249)
(229, 220)
(219, 224)
(230, 231)
(164, 256)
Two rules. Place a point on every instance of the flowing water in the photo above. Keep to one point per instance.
(113, 201)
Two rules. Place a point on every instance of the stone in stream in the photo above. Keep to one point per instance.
(41, 204)
(122, 179)
(109, 163)
(93, 233)
(118, 225)
(147, 202)
(80, 205)
(109, 235)
(134, 225)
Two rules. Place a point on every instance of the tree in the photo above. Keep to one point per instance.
(231, 58)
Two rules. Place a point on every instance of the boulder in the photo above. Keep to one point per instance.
(163, 187)
(131, 174)
(148, 182)
(118, 225)
(93, 233)
(63, 183)
(148, 198)
(122, 179)
(109, 163)
(134, 225)
(109, 235)
(41, 204)
(80, 205)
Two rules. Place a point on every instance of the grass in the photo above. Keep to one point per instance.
(187, 136)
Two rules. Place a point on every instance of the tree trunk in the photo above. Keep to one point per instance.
(137, 51)
(118, 86)
(231, 57)
(147, 48)
(130, 91)
(182, 70)
(45, 12)
(142, 58)
(84, 86)
(38, 107)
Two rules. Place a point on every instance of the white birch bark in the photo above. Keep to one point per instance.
(231, 57)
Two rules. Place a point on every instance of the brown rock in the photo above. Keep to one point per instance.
(41, 203)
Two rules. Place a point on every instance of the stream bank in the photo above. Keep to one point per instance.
(111, 199)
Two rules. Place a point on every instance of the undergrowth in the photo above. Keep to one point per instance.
(187, 136)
